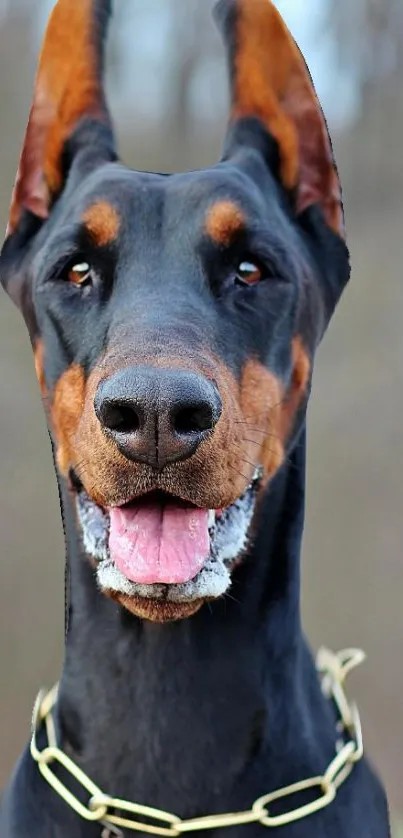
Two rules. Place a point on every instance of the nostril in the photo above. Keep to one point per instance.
(194, 419)
(120, 418)
(157, 416)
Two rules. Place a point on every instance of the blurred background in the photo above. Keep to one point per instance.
(168, 91)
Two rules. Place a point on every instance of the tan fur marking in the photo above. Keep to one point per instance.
(269, 411)
(261, 395)
(299, 382)
(256, 421)
(211, 478)
(157, 612)
(102, 222)
(224, 220)
(67, 408)
(39, 367)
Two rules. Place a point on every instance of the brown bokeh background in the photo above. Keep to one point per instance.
(167, 85)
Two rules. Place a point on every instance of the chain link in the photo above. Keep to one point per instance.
(103, 808)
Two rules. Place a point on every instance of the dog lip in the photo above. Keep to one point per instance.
(160, 498)
(74, 481)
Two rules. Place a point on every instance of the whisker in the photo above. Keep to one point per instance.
(260, 441)
(244, 460)
(269, 409)
(263, 431)
(232, 598)
(239, 472)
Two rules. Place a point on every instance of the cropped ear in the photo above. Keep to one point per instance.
(270, 82)
(68, 88)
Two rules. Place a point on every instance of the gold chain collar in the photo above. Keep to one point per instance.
(333, 668)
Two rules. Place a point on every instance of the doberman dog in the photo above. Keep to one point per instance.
(174, 321)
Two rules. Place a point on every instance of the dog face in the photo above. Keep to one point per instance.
(174, 319)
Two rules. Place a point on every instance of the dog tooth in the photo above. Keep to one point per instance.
(211, 518)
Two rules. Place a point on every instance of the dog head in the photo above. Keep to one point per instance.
(174, 319)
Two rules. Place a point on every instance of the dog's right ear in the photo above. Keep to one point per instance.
(272, 92)
(68, 118)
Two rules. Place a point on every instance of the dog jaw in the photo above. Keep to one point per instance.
(229, 531)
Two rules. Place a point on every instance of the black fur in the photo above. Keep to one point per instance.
(207, 714)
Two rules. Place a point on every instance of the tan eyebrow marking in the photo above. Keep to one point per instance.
(223, 221)
(102, 222)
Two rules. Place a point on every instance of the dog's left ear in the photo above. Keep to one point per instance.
(271, 83)
(69, 128)
(68, 89)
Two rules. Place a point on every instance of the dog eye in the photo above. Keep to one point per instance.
(80, 274)
(248, 273)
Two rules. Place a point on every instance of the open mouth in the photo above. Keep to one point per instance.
(160, 548)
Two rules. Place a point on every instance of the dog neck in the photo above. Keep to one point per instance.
(205, 714)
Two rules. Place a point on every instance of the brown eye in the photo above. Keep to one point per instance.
(248, 273)
(80, 274)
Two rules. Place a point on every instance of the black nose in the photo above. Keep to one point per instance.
(157, 416)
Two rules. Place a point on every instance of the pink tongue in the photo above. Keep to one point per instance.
(152, 543)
